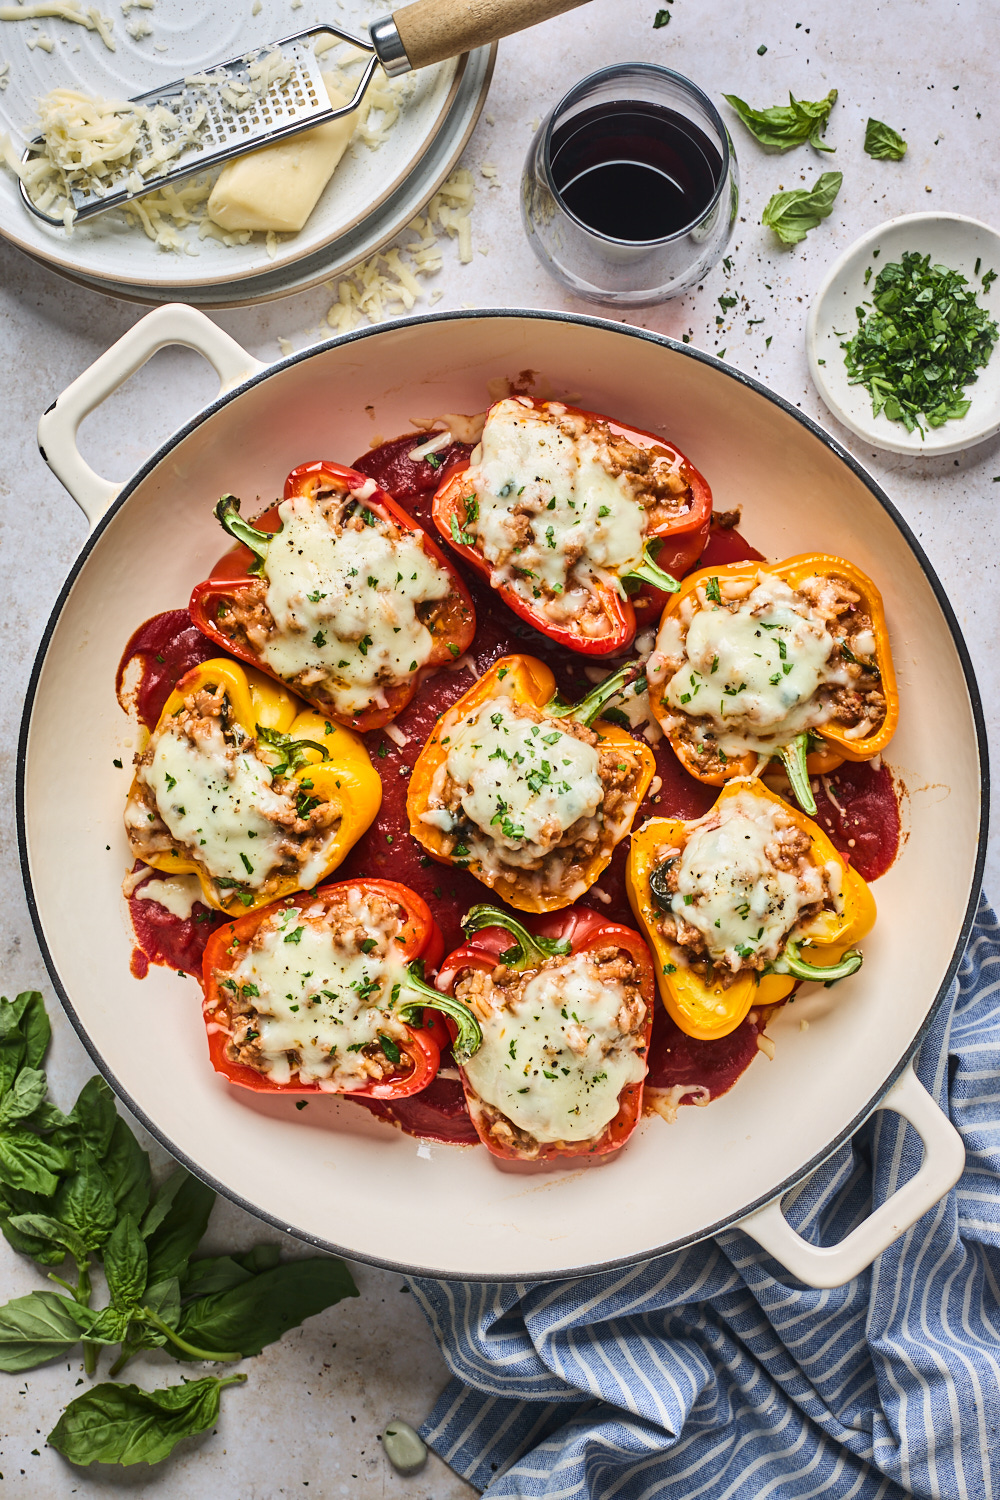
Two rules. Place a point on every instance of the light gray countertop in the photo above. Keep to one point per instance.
(316, 1402)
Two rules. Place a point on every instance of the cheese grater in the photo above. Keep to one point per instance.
(224, 113)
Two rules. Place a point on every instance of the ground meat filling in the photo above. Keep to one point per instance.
(748, 664)
(554, 499)
(561, 810)
(744, 883)
(579, 1053)
(353, 610)
(312, 995)
(221, 796)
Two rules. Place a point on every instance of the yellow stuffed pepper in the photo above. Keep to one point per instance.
(244, 788)
(786, 660)
(529, 794)
(742, 903)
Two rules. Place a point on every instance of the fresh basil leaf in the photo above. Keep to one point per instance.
(85, 1201)
(30, 1163)
(884, 143)
(792, 214)
(42, 1251)
(123, 1424)
(125, 1264)
(44, 1227)
(25, 1096)
(260, 1310)
(176, 1237)
(12, 1045)
(260, 1258)
(46, 1117)
(29, 1008)
(126, 1166)
(214, 1274)
(110, 1326)
(40, 1327)
(94, 1115)
(164, 1299)
(786, 125)
(162, 1202)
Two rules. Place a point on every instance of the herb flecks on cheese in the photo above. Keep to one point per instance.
(744, 882)
(344, 593)
(749, 664)
(314, 996)
(557, 1050)
(556, 501)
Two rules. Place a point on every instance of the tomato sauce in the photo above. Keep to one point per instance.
(861, 817)
(163, 938)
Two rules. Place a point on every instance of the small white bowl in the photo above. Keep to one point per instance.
(951, 240)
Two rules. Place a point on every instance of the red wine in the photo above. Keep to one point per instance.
(634, 171)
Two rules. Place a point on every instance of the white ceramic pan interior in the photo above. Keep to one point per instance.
(332, 1173)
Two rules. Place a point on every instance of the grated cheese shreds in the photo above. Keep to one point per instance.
(386, 285)
(43, 40)
(139, 28)
(63, 10)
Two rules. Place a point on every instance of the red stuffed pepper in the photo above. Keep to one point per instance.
(338, 593)
(324, 993)
(580, 523)
(565, 1008)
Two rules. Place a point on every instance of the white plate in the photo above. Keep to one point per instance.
(950, 240)
(197, 35)
(472, 79)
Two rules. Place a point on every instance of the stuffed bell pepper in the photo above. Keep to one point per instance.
(528, 794)
(242, 788)
(788, 660)
(741, 904)
(573, 518)
(324, 993)
(566, 1011)
(337, 592)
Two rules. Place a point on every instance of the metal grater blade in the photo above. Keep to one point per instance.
(229, 126)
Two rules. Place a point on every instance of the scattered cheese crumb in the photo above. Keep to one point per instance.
(285, 345)
(139, 28)
(489, 119)
(256, 8)
(44, 41)
(386, 284)
(296, 4)
(63, 10)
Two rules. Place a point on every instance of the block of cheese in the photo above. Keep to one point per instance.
(278, 186)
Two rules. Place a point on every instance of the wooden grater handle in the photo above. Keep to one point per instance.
(431, 30)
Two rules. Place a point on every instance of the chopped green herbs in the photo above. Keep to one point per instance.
(792, 214)
(712, 592)
(662, 18)
(786, 125)
(921, 344)
(884, 143)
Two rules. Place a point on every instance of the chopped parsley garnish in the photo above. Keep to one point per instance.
(921, 344)
(368, 945)
(319, 639)
(315, 597)
(295, 936)
(460, 537)
(364, 643)
(171, 780)
(713, 592)
(246, 864)
(390, 1048)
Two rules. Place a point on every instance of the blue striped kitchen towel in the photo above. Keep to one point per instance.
(711, 1374)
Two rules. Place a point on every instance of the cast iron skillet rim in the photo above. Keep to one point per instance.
(708, 1231)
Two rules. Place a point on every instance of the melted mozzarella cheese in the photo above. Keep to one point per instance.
(752, 673)
(345, 605)
(318, 1004)
(177, 895)
(221, 808)
(525, 783)
(729, 889)
(556, 1061)
(583, 517)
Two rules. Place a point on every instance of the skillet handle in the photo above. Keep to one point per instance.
(175, 323)
(428, 31)
(833, 1265)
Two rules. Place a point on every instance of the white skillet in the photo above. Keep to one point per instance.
(332, 1174)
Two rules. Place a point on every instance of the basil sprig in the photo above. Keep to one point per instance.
(793, 213)
(884, 143)
(77, 1186)
(786, 125)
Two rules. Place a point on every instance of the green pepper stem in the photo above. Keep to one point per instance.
(227, 511)
(528, 948)
(293, 752)
(647, 572)
(588, 709)
(148, 1316)
(793, 758)
(791, 963)
(470, 1033)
